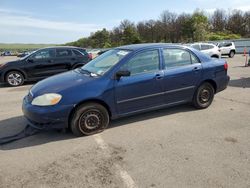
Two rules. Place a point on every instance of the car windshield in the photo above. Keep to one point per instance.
(104, 62)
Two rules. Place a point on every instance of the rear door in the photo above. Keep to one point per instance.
(81, 59)
(181, 75)
(64, 60)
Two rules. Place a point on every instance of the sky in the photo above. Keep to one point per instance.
(61, 21)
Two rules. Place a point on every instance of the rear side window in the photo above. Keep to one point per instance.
(44, 54)
(63, 53)
(83, 51)
(143, 62)
(77, 53)
(178, 57)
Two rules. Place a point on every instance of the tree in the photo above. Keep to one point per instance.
(200, 26)
(218, 21)
(236, 24)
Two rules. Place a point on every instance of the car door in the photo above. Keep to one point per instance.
(181, 75)
(225, 48)
(64, 60)
(40, 64)
(143, 89)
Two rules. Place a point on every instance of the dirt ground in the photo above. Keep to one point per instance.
(175, 147)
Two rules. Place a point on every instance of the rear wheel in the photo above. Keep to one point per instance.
(14, 78)
(231, 54)
(88, 119)
(203, 96)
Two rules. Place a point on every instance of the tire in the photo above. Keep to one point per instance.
(203, 96)
(231, 54)
(88, 119)
(14, 78)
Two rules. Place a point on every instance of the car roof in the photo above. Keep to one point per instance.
(206, 43)
(147, 45)
(71, 47)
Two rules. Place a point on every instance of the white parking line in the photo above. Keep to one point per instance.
(126, 178)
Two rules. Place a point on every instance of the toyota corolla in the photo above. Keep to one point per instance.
(124, 81)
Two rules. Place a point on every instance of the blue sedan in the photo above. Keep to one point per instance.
(124, 81)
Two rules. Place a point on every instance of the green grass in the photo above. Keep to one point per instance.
(22, 47)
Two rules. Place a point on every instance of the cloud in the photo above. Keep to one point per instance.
(27, 21)
(23, 26)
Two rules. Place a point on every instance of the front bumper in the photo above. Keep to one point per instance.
(49, 117)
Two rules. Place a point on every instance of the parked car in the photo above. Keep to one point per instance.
(23, 54)
(102, 51)
(42, 63)
(207, 48)
(227, 48)
(124, 81)
(6, 53)
(94, 53)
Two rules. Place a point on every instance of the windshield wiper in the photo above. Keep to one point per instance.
(84, 71)
(89, 73)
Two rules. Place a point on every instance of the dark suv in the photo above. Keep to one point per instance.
(43, 63)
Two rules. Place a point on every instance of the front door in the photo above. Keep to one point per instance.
(41, 63)
(143, 89)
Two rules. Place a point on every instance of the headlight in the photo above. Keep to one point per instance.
(47, 99)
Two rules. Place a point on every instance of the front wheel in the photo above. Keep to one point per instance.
(14, 78)
(88, 119)
(203, 96)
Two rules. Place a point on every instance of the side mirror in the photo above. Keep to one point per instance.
(121, 73)
(29, 60)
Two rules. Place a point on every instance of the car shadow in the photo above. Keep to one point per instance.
(15, 125)
(29, 83)
(242, 83)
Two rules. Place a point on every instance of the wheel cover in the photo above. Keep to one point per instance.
(14, 79)
(90, 121)
(205, 95)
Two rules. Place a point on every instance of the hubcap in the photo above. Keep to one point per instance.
(14, 79)
(90, 120)
(204, 95)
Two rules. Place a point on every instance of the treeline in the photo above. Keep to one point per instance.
(173, 28)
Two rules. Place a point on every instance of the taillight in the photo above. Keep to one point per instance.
(226, 66)
(90, 56)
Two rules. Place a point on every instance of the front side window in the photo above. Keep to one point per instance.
(44, 54)
(143, 62)
(63, 53)
(177, 58)
(105, 62)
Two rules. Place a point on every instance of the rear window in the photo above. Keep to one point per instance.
(63, 53)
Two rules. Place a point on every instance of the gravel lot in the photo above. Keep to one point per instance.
(175, 147)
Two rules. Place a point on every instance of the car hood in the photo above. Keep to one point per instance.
(12, 62)
(61, 82)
